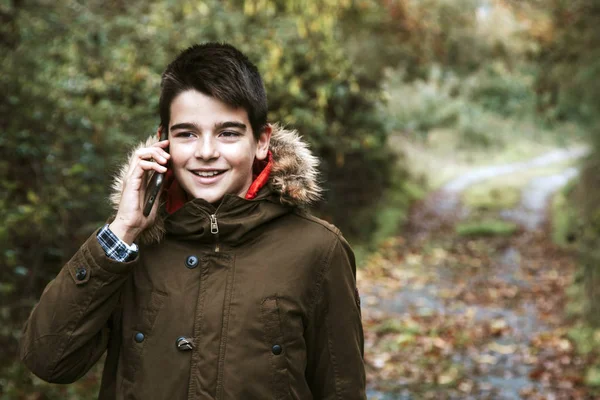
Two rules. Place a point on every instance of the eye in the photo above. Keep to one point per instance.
(230, 134)
(184, 134)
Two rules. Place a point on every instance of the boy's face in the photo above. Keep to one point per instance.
(212, 146)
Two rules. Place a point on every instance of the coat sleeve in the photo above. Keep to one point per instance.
(68, 329)
(335, 342)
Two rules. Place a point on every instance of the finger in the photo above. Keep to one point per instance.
(162, 143)
(151, 165)
(156, 153)
(148, 153)
(137, 172)
(160, 151)
(136, 179)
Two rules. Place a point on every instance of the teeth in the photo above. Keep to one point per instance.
(206, 174)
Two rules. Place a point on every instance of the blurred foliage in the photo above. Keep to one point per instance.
(565, 217)
(569, 89)
(485, 108)
(418, 106)
(82, 81)
(567, 85)
(473, 72)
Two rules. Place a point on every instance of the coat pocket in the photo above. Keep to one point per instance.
(138, 331)
(275, 345)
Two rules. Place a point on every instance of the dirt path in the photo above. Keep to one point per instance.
(472, 318)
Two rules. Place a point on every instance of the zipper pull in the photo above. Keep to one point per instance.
(214, 227)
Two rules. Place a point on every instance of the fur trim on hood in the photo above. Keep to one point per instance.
(294, 177)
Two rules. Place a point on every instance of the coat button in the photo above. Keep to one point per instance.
(191, 262)
(184, 343)
(277, 349)
(80, 274)
(139, 337)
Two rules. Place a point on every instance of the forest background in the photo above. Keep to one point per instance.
(81, 80)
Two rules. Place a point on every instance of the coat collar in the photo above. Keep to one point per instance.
(293, 181)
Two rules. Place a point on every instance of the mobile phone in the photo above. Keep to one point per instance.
(156, 182)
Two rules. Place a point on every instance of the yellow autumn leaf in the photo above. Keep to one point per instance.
(502, 348)
(448, 376)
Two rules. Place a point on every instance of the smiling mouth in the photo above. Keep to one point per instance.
(207, 174)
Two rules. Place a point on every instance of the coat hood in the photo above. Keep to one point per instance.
(293, 181)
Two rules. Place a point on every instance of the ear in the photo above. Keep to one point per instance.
(262, 145)
(158, 131)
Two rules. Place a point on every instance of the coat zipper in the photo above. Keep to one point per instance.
(214, 229)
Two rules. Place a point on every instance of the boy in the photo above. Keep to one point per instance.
(235, 292)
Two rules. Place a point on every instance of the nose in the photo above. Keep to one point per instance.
(206, 148)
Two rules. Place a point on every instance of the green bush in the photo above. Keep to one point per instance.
(419, 106)
(476, 106)
(481, 129)
(503, 91)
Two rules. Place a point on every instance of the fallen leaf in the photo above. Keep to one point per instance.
(487, 359)
(502, 348)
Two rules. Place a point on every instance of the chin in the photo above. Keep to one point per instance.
(209, 197)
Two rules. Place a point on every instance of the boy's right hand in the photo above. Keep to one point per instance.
(130, 220)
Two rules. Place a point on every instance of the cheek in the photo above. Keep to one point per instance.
(178, 156)
(241, 158)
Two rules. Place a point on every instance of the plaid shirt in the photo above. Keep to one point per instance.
(114, 247)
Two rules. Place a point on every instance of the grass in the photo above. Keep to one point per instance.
(391, 217)
(564, 218)
(592, 378)
(490, 197)
(565, 222)
(504, 192)
(587, 343)
(441, 155)
(488, 227)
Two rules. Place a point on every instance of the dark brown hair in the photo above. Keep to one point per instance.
(218, 70)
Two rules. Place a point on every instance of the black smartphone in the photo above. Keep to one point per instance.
(156, 182)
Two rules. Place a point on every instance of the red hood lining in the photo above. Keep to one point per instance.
(177, 197)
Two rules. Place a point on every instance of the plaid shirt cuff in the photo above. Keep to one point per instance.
(114, 247)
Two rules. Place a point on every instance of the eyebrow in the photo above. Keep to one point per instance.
(218, 125)
(230, 124)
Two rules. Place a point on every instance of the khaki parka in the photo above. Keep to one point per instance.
(261, 305)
